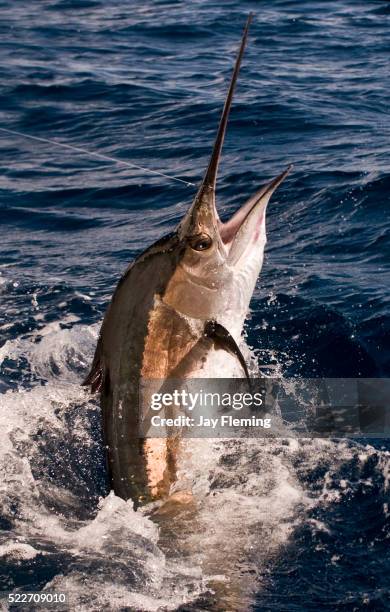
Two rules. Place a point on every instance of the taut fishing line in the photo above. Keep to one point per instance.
(95, 154)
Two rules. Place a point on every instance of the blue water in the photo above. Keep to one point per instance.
(145, 82)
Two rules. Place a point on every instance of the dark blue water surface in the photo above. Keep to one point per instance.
(145, 83)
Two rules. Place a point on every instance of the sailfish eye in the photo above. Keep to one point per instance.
(200, 242)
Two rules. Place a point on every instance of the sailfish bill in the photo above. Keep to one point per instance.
(168, 318)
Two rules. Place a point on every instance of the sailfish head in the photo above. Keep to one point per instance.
(221, 260)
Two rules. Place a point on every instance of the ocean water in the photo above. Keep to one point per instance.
(281, 525)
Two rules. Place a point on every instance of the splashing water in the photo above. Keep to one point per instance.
(273, 524)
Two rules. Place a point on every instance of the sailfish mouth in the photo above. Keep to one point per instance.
(249, 217)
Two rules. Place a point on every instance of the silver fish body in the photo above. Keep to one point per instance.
(199, 278)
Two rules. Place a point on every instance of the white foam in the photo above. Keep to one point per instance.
(248, 496)
(17, 551)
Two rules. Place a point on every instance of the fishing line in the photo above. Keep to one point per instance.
(98, 155)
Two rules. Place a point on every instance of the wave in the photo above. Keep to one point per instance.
(63, 529)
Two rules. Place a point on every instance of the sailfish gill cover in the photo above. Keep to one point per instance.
(145, 82)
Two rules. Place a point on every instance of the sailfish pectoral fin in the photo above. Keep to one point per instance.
(94, 378)
(225, 340)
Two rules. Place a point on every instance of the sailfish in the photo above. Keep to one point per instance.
(177, 311)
